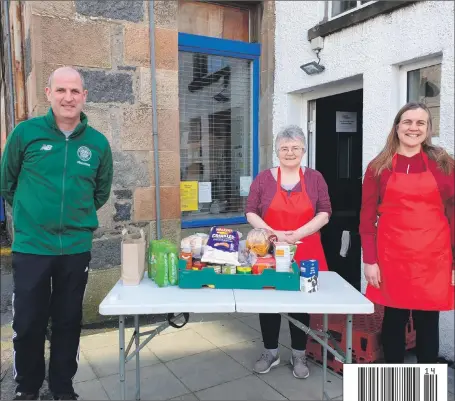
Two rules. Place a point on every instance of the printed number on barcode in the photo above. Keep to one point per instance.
(395, 382)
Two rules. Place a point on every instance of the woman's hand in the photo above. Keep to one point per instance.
(293, 236)
(283, 236)
(372, 274)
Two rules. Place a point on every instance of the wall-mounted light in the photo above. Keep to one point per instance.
(313, 68)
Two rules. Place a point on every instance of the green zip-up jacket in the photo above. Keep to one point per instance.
(55, 185)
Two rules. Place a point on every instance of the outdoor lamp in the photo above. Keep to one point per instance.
(313, 67)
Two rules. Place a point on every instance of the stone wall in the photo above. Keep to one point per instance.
(109, 43)
(267, 62)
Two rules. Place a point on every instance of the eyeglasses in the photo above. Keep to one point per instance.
(294, 149)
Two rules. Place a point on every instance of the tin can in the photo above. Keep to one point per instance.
(243, 270)
(229, 269)
(217, 269)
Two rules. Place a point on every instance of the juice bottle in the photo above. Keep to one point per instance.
(187, 255)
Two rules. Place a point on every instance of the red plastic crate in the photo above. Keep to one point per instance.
(366, 344)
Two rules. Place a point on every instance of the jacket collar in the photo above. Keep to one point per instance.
(50, 119)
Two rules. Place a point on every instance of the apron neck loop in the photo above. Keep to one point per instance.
(422, 153)
(278, 179)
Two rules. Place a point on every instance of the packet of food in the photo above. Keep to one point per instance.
(222, 247)
(154, 247)
(173, 268)
(162, 268)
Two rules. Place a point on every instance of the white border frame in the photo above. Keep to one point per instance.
(403, 79)
(359, 6)
(405, 68)
(297, 109)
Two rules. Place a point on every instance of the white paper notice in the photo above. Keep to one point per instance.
(205, 192)
(346, 121)
(245, 183)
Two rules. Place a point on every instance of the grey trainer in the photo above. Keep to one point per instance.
(300, 367)
(266, 362)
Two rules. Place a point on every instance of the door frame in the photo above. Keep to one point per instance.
(301, 103)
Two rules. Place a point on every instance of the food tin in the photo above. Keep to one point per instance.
(243, 270)
(229, 270)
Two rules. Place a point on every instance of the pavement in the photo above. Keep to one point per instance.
(211, 358)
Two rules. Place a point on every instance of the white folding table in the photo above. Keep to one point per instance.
(335, 296)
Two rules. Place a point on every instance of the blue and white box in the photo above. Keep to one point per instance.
(309, 272)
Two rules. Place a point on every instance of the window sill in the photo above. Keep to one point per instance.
(214, 221)
(355, 17)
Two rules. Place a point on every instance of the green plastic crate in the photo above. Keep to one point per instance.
(269, 279)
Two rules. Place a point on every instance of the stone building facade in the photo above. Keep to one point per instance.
(109, 43)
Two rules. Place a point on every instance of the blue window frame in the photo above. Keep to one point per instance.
(203, 47)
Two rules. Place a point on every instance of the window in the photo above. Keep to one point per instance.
(421, 82)
(424, 86)
(218, 96)
(338, 8)
(215, 20)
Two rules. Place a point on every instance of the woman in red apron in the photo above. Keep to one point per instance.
(294, 203)
(408, 251)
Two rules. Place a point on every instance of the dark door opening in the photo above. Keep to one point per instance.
(339, 159)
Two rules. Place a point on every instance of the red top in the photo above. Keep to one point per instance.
(373, 192)
(264, 188)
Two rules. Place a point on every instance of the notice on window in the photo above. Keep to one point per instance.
(205, 192)
(245, 183)
(189, 196)
(346, 121)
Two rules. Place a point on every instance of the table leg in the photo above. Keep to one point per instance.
(138, 368)
(349, 339)
(325, 327)
(121, 331)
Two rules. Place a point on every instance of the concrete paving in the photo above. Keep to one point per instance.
(211, 358)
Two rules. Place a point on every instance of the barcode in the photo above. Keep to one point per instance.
(395, 382)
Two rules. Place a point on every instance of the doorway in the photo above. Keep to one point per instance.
(339, 159)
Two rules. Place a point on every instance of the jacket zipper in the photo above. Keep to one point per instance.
(63, 196)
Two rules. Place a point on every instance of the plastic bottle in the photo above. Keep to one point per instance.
(173, 268)
(187, 255)
(162, 266)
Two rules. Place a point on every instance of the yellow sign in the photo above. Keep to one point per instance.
(189, 196)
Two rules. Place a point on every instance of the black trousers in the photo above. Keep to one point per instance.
(47, 286)
(393, 335)
(270, 328)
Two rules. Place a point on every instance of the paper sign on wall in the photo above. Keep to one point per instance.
(245, 183)
(205, 192)
(346, 121)
(188, 196)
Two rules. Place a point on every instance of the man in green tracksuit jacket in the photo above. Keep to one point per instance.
(56, 173)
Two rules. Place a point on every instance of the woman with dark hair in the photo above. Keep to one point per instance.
(407, 233)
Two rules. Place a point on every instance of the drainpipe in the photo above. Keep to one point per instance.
(18, 62)
(151, 5)
(10, 59)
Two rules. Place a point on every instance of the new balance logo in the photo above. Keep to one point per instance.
(46, 147)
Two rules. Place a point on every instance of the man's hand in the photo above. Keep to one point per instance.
(372, 274)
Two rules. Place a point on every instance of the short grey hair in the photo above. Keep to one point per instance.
(67, 68)
(290, 133)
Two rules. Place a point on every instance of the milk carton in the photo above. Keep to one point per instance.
(309, 270)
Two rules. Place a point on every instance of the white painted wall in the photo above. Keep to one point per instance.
(371, 55)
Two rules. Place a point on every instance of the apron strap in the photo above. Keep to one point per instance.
(423, 154)
(278, 180)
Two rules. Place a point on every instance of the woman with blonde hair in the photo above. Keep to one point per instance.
(406, 228)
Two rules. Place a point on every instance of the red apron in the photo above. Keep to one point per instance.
(414, 248)
(289, 211)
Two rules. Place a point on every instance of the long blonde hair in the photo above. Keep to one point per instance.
(384, 159)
